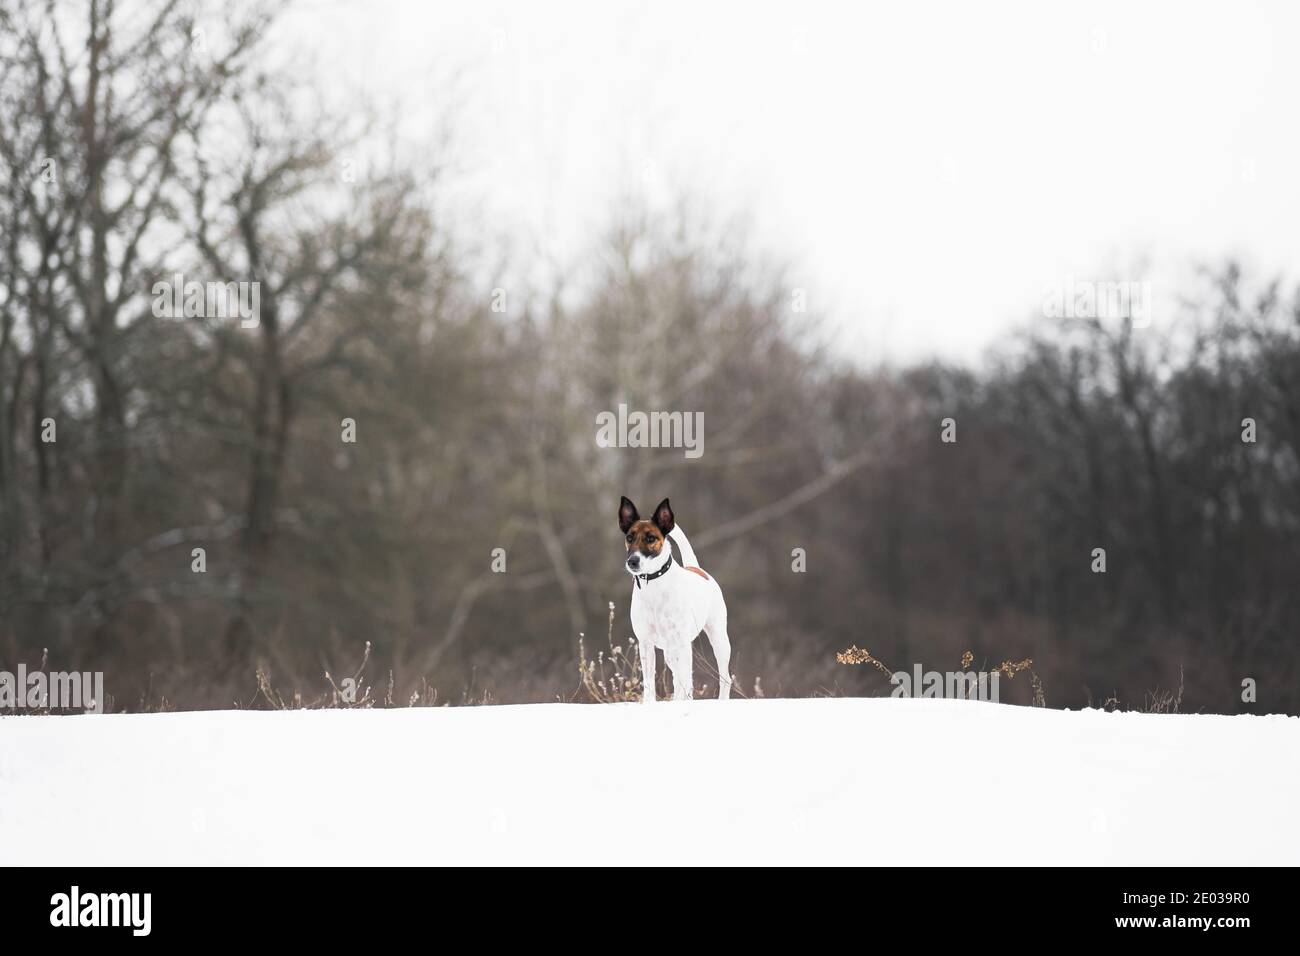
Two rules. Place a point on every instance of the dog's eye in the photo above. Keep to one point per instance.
(631, 538)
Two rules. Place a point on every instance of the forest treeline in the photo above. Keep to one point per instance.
(180, 503)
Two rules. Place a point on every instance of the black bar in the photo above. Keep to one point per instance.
(910, 906)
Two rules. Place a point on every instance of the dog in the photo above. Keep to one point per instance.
(671, 602)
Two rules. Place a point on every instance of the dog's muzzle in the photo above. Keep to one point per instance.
(644, 577)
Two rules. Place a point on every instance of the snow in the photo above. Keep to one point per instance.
(846, 781)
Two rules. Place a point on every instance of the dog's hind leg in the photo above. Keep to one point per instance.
(679, 662)
(717, 631)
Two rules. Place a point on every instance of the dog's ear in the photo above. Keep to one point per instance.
(627, 515)
(663, 518)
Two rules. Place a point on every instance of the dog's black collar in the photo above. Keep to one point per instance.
(641, 578)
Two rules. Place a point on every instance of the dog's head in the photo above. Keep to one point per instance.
(647, 540)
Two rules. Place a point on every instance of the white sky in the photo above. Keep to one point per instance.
(928, 168)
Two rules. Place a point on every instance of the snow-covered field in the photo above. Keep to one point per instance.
(818, 781)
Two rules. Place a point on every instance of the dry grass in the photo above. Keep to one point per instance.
(1156, 701)
(612, 675)
(859, 655)
(1165, 701)
(353, 693)
(611, 678)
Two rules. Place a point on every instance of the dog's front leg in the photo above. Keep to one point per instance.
(647, 672)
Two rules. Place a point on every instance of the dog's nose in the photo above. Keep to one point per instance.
(634, 561)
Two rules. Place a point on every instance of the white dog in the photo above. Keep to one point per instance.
(671, 603)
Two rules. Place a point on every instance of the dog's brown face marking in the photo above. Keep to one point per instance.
(643, 536)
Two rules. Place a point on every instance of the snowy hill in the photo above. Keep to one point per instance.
(825, 781)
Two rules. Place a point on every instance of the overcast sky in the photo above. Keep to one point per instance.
(930, 169)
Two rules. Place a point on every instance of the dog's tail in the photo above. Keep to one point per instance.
(684, 547)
